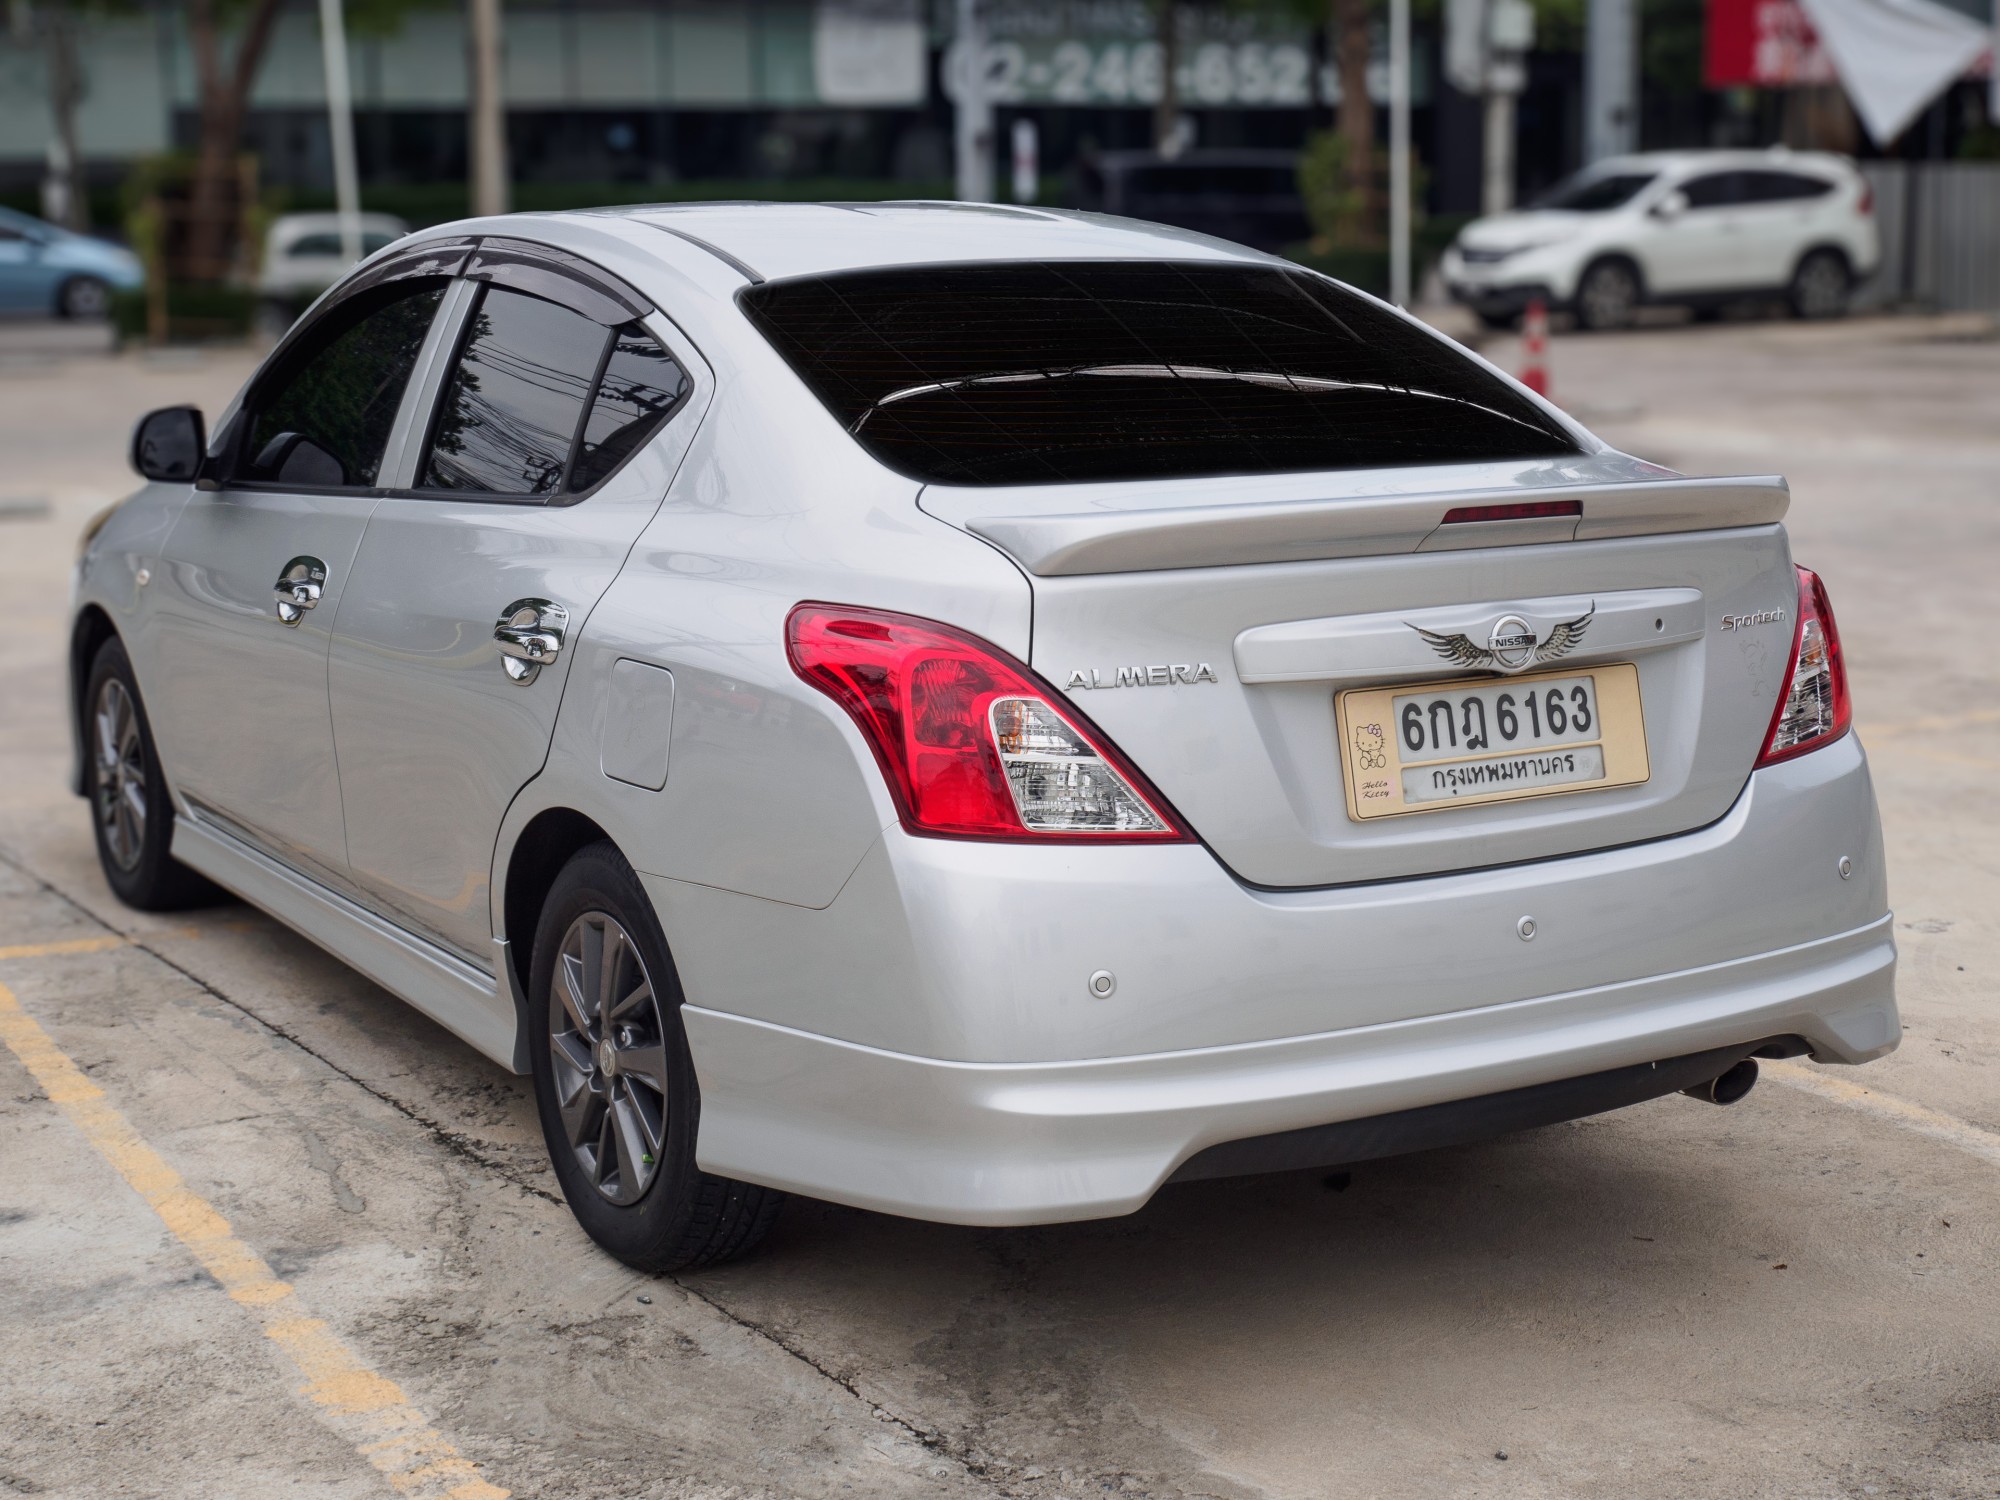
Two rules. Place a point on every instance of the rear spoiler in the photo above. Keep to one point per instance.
(1210, 536)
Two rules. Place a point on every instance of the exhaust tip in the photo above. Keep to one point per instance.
(1728, 1087)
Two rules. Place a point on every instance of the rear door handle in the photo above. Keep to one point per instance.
(298, 588)
(529, 633)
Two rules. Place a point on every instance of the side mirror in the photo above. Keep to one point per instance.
(294, 458)
(167, 444)
(1672, 206)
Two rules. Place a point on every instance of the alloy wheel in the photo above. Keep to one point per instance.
(610, 1057)
(1821, 288)
(121, 774)
(1608, 297)
(86, 297)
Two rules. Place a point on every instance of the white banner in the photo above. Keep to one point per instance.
(1895, 56)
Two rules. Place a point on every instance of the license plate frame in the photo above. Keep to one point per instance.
(1365, 721)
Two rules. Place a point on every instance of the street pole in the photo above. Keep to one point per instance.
(973, 118)
(488, 134)
(1498, 194)
(340, 127)
(1610, 76)
(1399, 152)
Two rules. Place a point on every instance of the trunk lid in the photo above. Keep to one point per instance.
(1290, 589)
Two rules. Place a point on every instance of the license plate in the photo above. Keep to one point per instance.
(1426, 746)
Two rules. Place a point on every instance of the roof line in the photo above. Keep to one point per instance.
(749, 273)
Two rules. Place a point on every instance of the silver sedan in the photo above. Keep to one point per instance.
(975, 713)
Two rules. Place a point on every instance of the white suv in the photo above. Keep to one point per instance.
(1698, 228)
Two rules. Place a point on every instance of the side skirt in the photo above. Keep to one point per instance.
(460, 998)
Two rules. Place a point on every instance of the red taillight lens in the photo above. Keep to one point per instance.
(1813, 706)
(1867, 204)
(973, 744)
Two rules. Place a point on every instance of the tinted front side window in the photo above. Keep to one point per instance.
(640, 387)
(1596, 195)
(1053, 372)
(341, 389)
(515, 399)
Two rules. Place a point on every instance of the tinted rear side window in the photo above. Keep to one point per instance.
(641, 386)
(1057, 372)
(515, 399)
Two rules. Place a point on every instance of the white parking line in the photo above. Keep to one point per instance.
(1976, 1140)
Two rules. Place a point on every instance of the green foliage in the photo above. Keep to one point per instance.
(1334, 206)
(194, 313)
(1368, 269)
(1670, 45)
(1981, 143)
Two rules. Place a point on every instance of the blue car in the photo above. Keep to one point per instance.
(44, 269)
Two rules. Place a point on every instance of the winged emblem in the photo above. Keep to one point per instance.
(1513, 645)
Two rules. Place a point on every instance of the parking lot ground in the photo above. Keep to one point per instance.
(1795, 1298)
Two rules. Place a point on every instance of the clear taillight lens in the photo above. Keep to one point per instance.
(1814, 708)
(972, 743)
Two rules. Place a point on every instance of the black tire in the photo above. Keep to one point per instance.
(131, 810)
(84, 298)
(1608, 295)
(673, 1216)
(1821, 286)
(1498, 322)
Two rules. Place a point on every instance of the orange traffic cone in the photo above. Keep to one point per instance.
(1535, 348)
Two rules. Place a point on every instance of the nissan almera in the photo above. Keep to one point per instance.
(975, 713)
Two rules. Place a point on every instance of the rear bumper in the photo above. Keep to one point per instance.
(1000, 1143)
(928, 1044)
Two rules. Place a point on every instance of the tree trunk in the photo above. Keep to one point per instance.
(1167, 111)
(65, 88)
(1349, 22)
(214, 216)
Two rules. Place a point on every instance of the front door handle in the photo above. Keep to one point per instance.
(529, 633)
(298, 588)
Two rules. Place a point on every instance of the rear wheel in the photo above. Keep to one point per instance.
(1820, 286)
(132, 813)
(1607, 296)
(615, 1084)
(84, 297)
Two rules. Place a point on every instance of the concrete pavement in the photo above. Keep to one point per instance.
(1793, 1298)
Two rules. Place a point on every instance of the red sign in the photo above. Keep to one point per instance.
(1769, 43)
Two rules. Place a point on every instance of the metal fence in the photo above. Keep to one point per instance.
(1940, 224)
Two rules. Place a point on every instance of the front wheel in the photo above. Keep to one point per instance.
(84, 298)
(1607, 296)
(615, 1084)
(1820, 286)
(132, 812)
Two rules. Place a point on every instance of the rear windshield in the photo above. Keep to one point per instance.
(1035, 373)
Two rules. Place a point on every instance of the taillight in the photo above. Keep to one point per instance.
(1867, 204)
(1813, 709)
(973, 744)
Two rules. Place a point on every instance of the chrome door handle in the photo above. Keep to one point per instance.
(298, 588)
(529, 633)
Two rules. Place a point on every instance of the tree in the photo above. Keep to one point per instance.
(66, 195)
(223, 89)
(1350, 33)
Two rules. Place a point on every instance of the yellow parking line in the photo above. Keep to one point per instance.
(1939, 1126)
(72, 945)
(365, 1407)
(104, 944)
